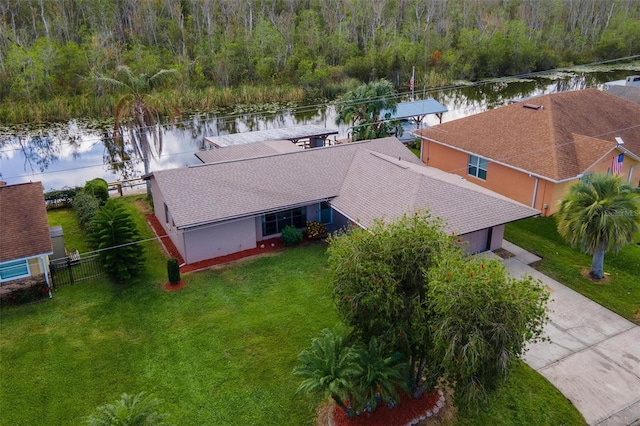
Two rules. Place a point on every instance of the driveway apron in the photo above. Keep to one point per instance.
(593, 357)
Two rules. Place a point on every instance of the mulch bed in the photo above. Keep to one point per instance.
(409, 411)
(265, 246)
(170, 287)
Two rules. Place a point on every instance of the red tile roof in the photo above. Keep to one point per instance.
(572, 131)
(24, 230)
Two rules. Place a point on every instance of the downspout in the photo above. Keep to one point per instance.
(535, 194)
(46, 275)
(631, 172)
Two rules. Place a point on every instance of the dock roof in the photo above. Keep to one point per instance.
(293, 134)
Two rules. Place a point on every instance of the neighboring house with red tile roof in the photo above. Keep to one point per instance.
(533, 151)
(25, 242)
(227, 206)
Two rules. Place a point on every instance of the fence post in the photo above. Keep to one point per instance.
(70, 270)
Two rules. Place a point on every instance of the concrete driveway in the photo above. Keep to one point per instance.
(594, 354)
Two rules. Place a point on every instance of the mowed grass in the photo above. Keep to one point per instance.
(619, 291)
(220, 351)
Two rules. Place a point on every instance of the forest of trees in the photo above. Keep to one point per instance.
(49, 48)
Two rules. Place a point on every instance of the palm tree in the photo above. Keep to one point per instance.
(598, 216)
(361, 108)
(139, 410)
(137, 113)
(382, 374)
(329, 367)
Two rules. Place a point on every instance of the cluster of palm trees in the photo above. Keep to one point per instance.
(362, 108)
(356, 377)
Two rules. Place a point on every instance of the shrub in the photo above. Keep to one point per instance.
(316, 230)
(86, 207)
(173, 270)
(140, 409)
(291, 236)
(116, 230)
(98, 188)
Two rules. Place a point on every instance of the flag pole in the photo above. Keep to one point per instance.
(413, 75)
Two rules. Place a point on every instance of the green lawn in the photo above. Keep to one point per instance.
(218, 352)
(620, 291)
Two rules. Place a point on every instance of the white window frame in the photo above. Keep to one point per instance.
(19, 263)
(476, 162)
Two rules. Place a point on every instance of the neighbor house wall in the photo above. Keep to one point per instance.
(515, 184)
(220, 239)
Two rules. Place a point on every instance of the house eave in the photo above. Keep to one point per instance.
(248, 215)
(510, 166)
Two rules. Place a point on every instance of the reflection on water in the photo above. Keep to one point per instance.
(69, 154)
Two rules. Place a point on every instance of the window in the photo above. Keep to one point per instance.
(326, 213)
(477, 167)
(166, 214)
(274, 223)
(14, 269)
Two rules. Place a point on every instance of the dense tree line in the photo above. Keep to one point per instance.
(48, 47)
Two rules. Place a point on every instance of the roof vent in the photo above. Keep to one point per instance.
(533, 106)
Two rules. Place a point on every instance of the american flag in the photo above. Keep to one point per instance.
(616, 164)
(411, 83)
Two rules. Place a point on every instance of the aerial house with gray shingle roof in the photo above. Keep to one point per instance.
(233, 204)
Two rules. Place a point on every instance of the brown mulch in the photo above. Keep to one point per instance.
(170, 287)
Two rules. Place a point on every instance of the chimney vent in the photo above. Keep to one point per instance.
(533, 106)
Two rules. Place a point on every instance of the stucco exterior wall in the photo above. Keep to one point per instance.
(158, 210)
(517, 185)
(217, 240)
(497, 236)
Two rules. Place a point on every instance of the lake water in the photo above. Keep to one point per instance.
(69, 154)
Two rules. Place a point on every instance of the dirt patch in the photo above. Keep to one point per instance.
(505, 254)
(604, 281)
(636, 317)
(143, 205)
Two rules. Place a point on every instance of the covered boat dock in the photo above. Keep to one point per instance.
(307, 136)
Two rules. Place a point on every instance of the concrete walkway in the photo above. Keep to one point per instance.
(594, 354)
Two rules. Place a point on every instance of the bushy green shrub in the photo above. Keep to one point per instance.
(291, 236)
(114, 231)
(98, 188)
(173, 270)
(86, 207)
(316, 230)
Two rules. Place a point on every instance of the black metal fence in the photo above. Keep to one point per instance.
(69, 271)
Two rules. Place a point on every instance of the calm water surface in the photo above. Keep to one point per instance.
(69, 154)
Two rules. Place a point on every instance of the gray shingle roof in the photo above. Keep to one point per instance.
(364, 180)
(251, 150)
(381, 187)
(214, 192)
